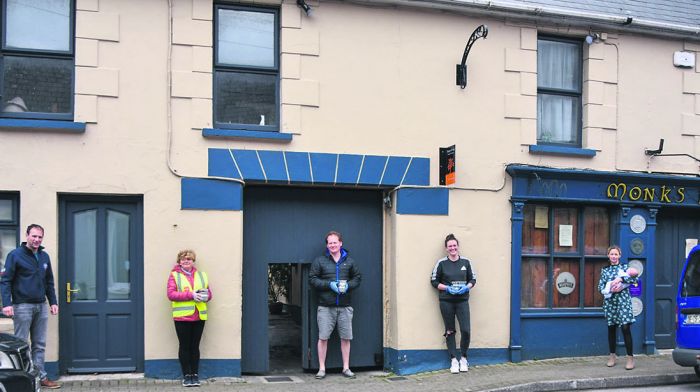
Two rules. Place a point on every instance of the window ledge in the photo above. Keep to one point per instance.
(562, 150)
(243, 134)
(13, 124)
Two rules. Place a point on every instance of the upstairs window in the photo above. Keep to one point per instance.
(36, 60)
(559, 91)
(246, 63)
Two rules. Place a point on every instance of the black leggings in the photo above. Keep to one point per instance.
(626, 334)
(189, 333)
(449, 310)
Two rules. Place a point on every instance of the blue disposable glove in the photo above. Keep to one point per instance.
(452, 290)
(334, 287)
(463, 290)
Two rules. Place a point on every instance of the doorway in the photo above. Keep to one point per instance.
(100, 285)
(674, 227)
(288, 226)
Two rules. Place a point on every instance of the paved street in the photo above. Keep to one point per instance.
(554, 374)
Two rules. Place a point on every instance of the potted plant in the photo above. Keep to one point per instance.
(277, 286)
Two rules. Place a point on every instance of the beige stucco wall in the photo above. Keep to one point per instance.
(355, 79)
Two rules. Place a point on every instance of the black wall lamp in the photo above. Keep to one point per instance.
(480, 32)
(305, 7)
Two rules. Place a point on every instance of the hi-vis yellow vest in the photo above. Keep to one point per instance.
(186, 308)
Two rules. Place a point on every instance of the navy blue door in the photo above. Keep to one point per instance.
(288, 225)
(673, 228)
(100, 285)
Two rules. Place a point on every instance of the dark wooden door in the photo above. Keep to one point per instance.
(288, 225)
(674, 227)
(101, 285)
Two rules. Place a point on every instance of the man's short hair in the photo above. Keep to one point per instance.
(34, 226)
(335, 233)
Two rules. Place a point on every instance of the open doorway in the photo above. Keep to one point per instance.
(284, 321)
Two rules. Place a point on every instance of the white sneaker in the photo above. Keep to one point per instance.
(463, 365)
(454, 368)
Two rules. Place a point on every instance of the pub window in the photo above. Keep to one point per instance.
(9, 225)
(563, 252)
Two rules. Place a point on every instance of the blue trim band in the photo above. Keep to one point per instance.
(241, 134)
(170, 368)
(423, 201)
(12, 124)
(403, 362)
(561, 150)
(206, 194)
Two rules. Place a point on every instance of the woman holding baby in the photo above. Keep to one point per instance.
(614, 283)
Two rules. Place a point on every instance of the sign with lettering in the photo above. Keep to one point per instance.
(661, 194)
(566, 283)
(447, 165)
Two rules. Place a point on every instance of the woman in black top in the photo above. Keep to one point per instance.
(454, 277)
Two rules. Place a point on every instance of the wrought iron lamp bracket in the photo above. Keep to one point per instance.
(480, 32)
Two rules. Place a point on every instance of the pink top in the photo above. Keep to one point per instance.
(181, 296)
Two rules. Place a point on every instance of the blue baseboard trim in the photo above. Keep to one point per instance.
(51, 369)
(208, 368)
(403, 362)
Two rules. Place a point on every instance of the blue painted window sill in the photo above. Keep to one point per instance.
(562, 150)
(243, 134)
(14, 124)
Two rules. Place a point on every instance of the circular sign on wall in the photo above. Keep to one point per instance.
(638, 265)
(637, 246)
(566, 283)
(637, 306)
(638, 224)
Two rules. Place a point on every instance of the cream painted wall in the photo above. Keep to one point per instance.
(350, 74)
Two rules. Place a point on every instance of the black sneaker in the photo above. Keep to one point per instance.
(194, 380)
(187, 381)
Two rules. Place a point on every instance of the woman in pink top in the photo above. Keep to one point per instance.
(188, 291)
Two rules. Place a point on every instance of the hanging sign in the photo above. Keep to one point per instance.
(447, 165)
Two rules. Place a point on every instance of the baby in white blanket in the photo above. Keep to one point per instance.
(631, 272)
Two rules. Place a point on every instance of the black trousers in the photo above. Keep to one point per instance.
(189, 333)
(626, 334)
(460, 309)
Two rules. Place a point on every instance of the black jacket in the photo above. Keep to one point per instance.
(447, 272)
(27, 279)
(324, 270)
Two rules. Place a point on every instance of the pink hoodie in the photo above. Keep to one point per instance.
(181, 296)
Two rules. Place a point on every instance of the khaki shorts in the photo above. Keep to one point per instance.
(329, 317)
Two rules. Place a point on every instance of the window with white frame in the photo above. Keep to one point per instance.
(246, 66)
(9, 225)
(36, 59)
(559, 80)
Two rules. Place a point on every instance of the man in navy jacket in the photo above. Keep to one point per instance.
(27, 282)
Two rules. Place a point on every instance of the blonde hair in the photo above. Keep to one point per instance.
(614, 247)
(186, 253)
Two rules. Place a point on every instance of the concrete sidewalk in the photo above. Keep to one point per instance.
(544, 375)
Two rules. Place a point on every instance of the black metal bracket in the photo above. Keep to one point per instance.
(657, 152)
(480, 32)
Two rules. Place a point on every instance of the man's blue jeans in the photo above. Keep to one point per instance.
(32, 319)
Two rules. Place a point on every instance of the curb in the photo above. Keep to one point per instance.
(599, 383)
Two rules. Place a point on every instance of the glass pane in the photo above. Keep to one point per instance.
(565, 230)
(37, 85)
(38, 24)
(535, 233)
(85, 248)
(691, 279)
(558, 65)
(558, 118)
(597, 230)
(6, 210)
(246, 98)
(593, 297)
(533, 283)
(8, 242)
(566, 283)
(246, 38)
(118, 282)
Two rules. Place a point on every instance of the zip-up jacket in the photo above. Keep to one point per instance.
(27, 278)
(175, 295)
(450, 272)
(324, 270)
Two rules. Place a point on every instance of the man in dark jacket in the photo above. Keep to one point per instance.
(334, 275)
(27, 282)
